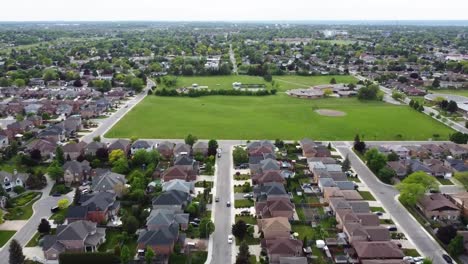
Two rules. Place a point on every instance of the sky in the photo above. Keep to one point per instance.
(233, 10)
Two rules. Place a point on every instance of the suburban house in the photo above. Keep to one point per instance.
(357, 232)
(122, 144)
(46, 147)
(438, 206)
(461, 201)
(163, 218)
(263, 191)
(73, 150)
(75, 171)
(377, 250)
(178, 185)
(274, 227)
(182, 149)
(267, 177)
(281, 247)
(93, 147)
(174, 199)
(108, 181)
(160, 240)
(139, 145)
(180, 172)
(200, 147)
(275, 206)
(79, 236)
(96, 207)
(166, 149)
(10, 181)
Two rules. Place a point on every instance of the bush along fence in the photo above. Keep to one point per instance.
(198, 93)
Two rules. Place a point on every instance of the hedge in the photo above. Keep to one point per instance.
(198, 93)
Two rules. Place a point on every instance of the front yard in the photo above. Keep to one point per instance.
(444, 181)
(243, 203)
(22, 206)
(367, 196)
(5, 236)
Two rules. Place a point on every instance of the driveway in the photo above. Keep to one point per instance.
(387, 195)
(41, 210)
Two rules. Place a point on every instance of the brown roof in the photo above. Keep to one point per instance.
(283, 246)
(351, 195)
(377, 250)
(437, 201)
(275, 225)
(384, 261)
(373, 233)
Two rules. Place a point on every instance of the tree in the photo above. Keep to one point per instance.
(16, 253)
(456, 246)
(44, 226)
(333, 80)
(140, 158)
(206, 227)
(375, 160)
(102, 154)
(192, 209)
(1, 217)
(419, 177)
(62, 203)
(393, 157)
(35, 154)
(446, 233)
(240, 156)
(239, 229)
(244, 254)
(149, 255)
(452, 106)
(359, 145)
(459, 138)
(368, 92)
(346, 164)
(121, 166)
(130, 224)
(327, 92)
(97, 139)
(125, 255)
(59, 156)
(55, 171)
(386, 175)
(212, 147)
(115, 155)
(436, 83)
(77, 197)
(190, 139)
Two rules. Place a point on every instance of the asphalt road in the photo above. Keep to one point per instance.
(223, 215)
(386, 194)
(41, 210)
(108, 123)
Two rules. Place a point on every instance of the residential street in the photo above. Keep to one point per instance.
(386, 194)
(221, 250)
(108, 123)
(41, 210)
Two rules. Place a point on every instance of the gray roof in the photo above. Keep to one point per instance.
(200, 145)
(269, 164)
(141, 144)
(76, 166)
(345, 185)
(359, 206)
(183, 160)
(106, 181)
(99, 201)
(173, 197)
(77, 212)
(179, 185)
(271, 188)
(159, 236)
(165, 217)
(119, 144)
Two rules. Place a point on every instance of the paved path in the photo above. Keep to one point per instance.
(220, 249)
(387, 195)
(41, 210)
(13, 225)
(232, 56)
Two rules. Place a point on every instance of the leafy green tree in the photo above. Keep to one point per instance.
(125, 254)
(239, 229)
(456, 246)
(16, 253)
(121, 166)
(375, 160)
(459, 138)
(419, 177)
(333, 80)
(130, 224)
(55, 171)
(140, 158)
(62, 203)
(244, 254)
(240, 156)
(190, 139)
(59, 155)
(386, 175)
(149, 255)
(410, 193)
(346, 164)
(206, 227)
(212, 147)
(44, 226)
(115, 155)
(393, 156)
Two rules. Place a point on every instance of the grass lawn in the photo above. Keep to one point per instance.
(249, 240)
(5, 236)
(463, 92)
(354, 179)
(411, 252)
(34, 242)
(61, 212)
(303, 231)
(218, 82)
(386, 222)
(243, 189)
(300, 213)
(444, 181)
(241, 177)
(22, 206)
(247, 219)
(293, 82)
(112, 241)
(367, 195)
(377, 209)
(198, 257)
(279, 116)
(243, 203)
(209, 184)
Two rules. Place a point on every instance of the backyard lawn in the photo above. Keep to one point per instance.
(367, 196)
(112, 239)
(5, 236)
(271, 117)
(303, 231)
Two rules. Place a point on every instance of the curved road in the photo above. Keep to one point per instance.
(387, 195)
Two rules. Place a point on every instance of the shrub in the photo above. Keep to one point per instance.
(19, 189)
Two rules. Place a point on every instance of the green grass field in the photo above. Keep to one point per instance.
(286, 82)
(5, 236)
(463, 92)
(271, 117)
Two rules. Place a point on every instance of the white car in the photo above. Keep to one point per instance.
(230, 239)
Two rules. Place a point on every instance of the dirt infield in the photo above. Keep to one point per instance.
(329, 112)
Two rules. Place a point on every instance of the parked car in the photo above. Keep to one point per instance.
(228, 204)
(219, 155)
(392, 228)
(56, 194)
(54, 209)
(195, 224)
(217, 199)
(245, 212)
(378, 213)
(230, 239)
(447, 258)
(417, 259)
(248, 195)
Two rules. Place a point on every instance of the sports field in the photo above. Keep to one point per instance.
(285, 82)
(271, 117)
